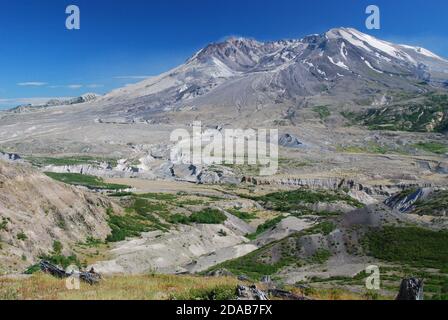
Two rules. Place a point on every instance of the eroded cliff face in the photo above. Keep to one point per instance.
(35, 211)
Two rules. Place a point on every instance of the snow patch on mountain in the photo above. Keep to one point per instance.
(423, 51)
(339, 63)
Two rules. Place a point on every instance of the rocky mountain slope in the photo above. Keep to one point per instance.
(246, 75)
(36, 211)
(362, 167)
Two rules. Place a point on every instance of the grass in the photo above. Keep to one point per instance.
(369, 148)
(178, 218)
(92, 242)
(68, 161)
(265, 227)
(436, 284)
(159, 196)
(142, 287)
(433, 147)
(87, 181)
(322, 111)
(222, 292)
(243, 215)
(413, 246)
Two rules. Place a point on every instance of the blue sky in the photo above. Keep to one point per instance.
(122, 41)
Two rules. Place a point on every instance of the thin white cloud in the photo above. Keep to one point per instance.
(95, 85)
(75, 86)
(32, 84)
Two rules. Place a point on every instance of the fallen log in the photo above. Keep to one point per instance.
(286, 295)
(90, 277)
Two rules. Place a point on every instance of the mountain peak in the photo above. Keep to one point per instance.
(237, 68)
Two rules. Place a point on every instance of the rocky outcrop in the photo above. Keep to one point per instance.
(289, 141)
(335, 184)
(104, 169)
(405, 203)
(411, 289)
(9, 156)
(442, 168)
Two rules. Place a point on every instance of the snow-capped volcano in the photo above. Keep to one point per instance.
(245, 73)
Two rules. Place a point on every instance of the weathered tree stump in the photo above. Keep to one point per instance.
(411, 289)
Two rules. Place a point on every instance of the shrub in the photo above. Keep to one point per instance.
(411, 245)
(3, 224)
(56, 257)
(246, 216)
(320, 256)
(22, 236)
(208, 216)
(178, 219)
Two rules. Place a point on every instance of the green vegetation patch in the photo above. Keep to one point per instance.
(297, 200)
(141, 216)
(430, 115)
(87, 181)
(205, 216)
(22, 236)
(125, 227)
(268, 225)
(243, 215)
(273, 257)
(56, 257)
(434, 147)
(208, 216)
(4, 224)
(435, 205)
(223, 292)
(68, 161)
(159, 196)
(254, 265)
(154, 211)
(320, 256)
(322, 111)
(410, 245)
